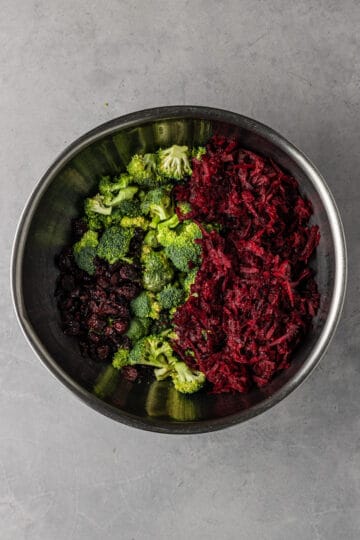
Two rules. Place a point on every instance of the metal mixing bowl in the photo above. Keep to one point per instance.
(45, 227)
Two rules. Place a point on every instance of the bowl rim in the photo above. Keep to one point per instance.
(172, 112)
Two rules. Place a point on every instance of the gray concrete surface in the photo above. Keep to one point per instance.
(65, 471)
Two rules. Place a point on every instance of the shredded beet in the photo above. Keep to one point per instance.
(255, 295)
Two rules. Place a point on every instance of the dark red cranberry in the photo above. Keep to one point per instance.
(120, 326)
(95, 323)
(78, 227)
(103, 352)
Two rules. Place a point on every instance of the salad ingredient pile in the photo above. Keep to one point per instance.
(194, 264)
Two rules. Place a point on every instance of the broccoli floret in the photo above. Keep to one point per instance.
(85, 251)
(143, 170)
(189, 280)
(157, 269)
(96, 205)
(186, 231)
(185, 380)
(109, 187)
(152, 351)
(174, 162)
(170, 297)
(166, 236)
(164, 226)
(128, 208)
(156, 351)
(181, 255)
(151, 239)
(160, 325)
(97, 215)
(145, 306)
(121, 358)
(138, 329)
(157, 202)
(125, 194)
(138, 221)
(114, 244)
(180, 246)
(198, 152)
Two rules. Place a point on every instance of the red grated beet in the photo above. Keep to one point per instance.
(255, 293)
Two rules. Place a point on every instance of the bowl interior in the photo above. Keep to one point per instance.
(47, 226)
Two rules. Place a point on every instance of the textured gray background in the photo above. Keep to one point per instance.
(65, 471)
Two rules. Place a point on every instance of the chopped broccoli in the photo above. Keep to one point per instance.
(114, 244)
(157, 202)
(170, 297)
(143, 170)
(156, 351)
(145, 306)
(161, 324)
(138, 328)
(108, 187)
(185, 380)
(181, 255)
(97, 215)
(174, 162)
(125, 194)
(151, 239)
(85, 251)
(180, 246)
(128, 208)
(96, 205)
(157, 269)
(153, 350)
(121, 358)
(189, 280)
(165, 235)
(138, 221)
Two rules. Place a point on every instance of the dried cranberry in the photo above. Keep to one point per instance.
(128, 272)
(95, 338)
(127, 291)
(130, 373)
(72, 328)
(95, 323)
(103, 352)
(103, 282)
(78, 227)
(65, 259)
(120, 326)
(114, 280)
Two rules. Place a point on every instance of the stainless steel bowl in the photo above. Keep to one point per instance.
(44, 229)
